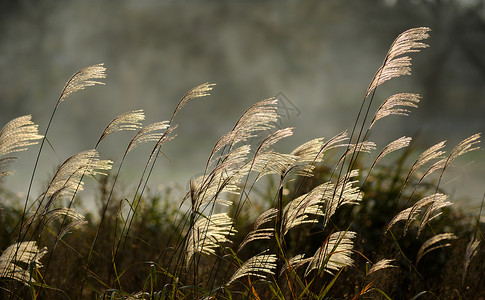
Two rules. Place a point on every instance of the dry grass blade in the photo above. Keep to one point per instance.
(126, 121)
(150, 133)
(394, 66)
(18, 134)
(207, 233)
(25, 253)
(430, 244)
(198, 91)
(82, 79)
(334, 254)
(259, 266)
(382, 264)
(389, 106)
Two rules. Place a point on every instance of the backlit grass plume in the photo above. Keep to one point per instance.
(260, 265)
(207, 234)
(395, 64)
(18, 134)
(81, 79)
(20, 260)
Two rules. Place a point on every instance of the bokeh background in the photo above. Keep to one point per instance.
(318, 57)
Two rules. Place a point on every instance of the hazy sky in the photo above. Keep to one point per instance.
(318, 56)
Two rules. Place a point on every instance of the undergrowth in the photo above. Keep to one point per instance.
(317, 222)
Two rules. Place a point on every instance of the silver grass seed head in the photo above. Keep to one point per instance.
(259, 266)
(196, 92)
(82, 79)
(382, 264)
(24, 252)
(18, 134)
(334, 254)
(207, 234)
(127, 121)
(150, 133)
(396, 65)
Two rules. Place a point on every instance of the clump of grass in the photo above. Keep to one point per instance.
(320, 228)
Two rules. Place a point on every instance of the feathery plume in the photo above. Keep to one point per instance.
(150, 133)
(196, 92)
(313, 151)
(75, 224)
(465, 146)
(260, 266)
(394, 66)
(265, 217)
(294, 263)
(345, 193)
(299, 210)
(391, 147)
(18, 134)
(260, 116)
(222, 179)
(382, 264)
(25, 253)
(409, 214)
(257, 234)
(436, 205)
(207, 233)
(389, 106)
(430, 154)
(364, 146)
(68, 176)
(430, 244)
(275, 137)
(260, 234)
(270, 162)
(127, 121)
(470, 252)
(82, 79)
(334, 254)
(64, 211)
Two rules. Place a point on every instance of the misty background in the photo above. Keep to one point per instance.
(318, 57)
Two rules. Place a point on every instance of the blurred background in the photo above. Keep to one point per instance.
(318, 57)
